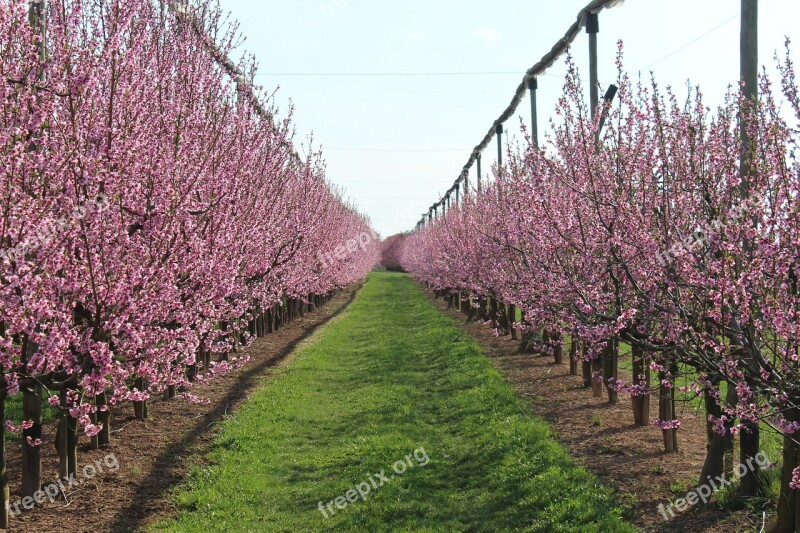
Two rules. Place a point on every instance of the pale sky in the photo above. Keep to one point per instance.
(398, 93)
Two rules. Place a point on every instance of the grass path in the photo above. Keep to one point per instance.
(391, 381)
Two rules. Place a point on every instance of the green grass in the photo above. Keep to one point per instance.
(13, 412)
(392, 375)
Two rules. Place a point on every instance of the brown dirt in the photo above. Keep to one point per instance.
(604, 439)
(155, 455)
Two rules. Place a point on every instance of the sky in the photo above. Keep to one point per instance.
(398, 93)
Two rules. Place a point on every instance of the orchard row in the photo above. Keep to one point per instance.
(151, 220)
(675, 230)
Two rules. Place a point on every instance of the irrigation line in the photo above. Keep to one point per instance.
(532, 73)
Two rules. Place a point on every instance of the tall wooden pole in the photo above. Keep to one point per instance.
(749, 76)
(480, 178)
(749, 437)
(592, 28)
(499, 132)
(5, 493)
(533, 85)
(32, 395)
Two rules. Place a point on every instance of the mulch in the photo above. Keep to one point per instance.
(603, 438)
(154, 456)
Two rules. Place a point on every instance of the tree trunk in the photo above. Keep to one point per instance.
(502, 313)
(140, 407)
(586, 368)
(597, 377)
(641, 376)
(573, 356)
(191, 370)
(169, 392)
(493, 312)
(666, 412)
(5, 493)
(558, 348)
(31, 455)
(67, 440)
(732, 398)
(750, 484)
(611, 369)
(788, 516)
(512, 318)
(471, 312)
(104, 417)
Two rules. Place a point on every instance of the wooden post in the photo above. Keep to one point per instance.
(32, 412)
(499, 132)
(749, 75)
(611, 369)
(67, 439)
(749, 437)
(140, 407)
(32, 395)
(597, 371)
(592, 28)
(37, 13)
(493, 311)
(31, 455)
(480, 178)
(558, 347)
(641, 375)
(666, 410)
(573, 356)
(5, 492)
(512, 318)
(586, 367)
(788, 515)
(533, 85)
(607, 99)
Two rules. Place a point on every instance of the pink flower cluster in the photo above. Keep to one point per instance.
(795, 483)
(147, 210)
(667, 424)
(596, 235)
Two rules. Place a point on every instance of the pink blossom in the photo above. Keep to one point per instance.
(795, 483)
